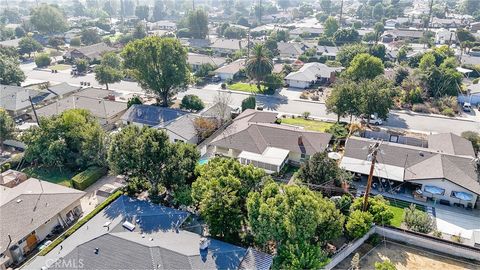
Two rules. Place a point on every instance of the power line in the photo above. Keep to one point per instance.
(373, 157)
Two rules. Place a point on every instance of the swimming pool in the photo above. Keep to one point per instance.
(203, 161)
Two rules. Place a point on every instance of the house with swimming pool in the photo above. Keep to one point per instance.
(445, 172)
(255, 138)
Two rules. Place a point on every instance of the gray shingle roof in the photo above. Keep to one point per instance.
(151, 115)
(200, 59)
(63, 89)
(94, 51)
(29, 205)
(451, 144)
(99, 108)
(14, 98)
(253, 131)
(156, 242)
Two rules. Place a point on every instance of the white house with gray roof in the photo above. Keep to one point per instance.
(444, 172)
(310, 74)
(30, 209)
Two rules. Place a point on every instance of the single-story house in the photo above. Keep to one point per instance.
(150, 115)
(195, 43)
(310, 74)
(230, 71)
(16, 99)
(472, 96)
(411, 35)
(196, 60)
(228, 46)
(255, 138)
(474, 27)
(101, 104)
(10, 42)
(309, 31)
(30, 210)
(63, 89)
(447, 22)
(162, 25)
(443, 173)
(290, 49)
(330, 52)
(91, 52)
(138, 234)
(445, 36)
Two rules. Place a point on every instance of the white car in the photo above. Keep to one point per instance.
(375, 120)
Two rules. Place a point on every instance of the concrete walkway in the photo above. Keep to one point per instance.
(91, 200)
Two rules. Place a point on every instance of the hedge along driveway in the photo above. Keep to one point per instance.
(86, 178)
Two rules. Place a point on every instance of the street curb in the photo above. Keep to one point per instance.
(434, 116)
(245, 93)
(309, 101)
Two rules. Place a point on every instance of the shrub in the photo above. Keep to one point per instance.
(456, 238)
(339, 131)
(88, 177)
(75, 42)
(475, 81)
(5, 167)
(474, 138)
(134, 100)
(358, 224)
(249, 103)
(448, 112)
(42, 60)
(437, 233)
(183, 196)
(306, 115)
(417, 220)
(385, 265)
(223, 86)
(304, 95)
(192, 103)
(315, 97)
(420, 108)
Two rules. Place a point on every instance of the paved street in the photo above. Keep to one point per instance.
(396, 119)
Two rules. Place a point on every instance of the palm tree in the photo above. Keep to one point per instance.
(259, 65)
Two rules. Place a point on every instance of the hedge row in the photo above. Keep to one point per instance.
(88, 177)
(80, 223)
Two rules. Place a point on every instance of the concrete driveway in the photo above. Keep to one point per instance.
(91, 200)
(455, 223)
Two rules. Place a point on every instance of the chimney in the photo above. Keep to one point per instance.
(300, 140)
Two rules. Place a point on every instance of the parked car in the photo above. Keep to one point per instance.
(216, 79)
(467, 107)
(375, 120)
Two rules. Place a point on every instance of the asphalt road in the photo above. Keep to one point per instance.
(396, 119)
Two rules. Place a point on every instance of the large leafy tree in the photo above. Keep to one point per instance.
(10, 72)
(375, 97)
(27, 45)
(90, 36)
(73, 139)
(331, 26)
(158, 10)
(300, 256)
(7, 127)
(343, 99)
(109, 70)
(48, 19)
(345, 35)
(320, 169)
(146, 154)
(364, 66)
(158, 64)
(259, 65)
(197, 21)
(358, 223)
(348, 52)
(142, 12)
(378, 207)
(225, 182)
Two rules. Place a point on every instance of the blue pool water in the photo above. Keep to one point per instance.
(203, 161)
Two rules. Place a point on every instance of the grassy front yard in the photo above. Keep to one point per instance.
(59, 67)
(312, 125)
(54, 175)
(397, 216)
(246, 87)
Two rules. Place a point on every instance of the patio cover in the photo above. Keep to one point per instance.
(381, 170)
(271, 155)
(464, 70)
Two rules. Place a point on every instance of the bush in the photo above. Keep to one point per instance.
(473, 137)
(223, 86)
(448, 112)
(249, 103)
(42, 60)
(358, 224)
(338, 131)
(88, 177)
(385, 265)
(437, 233)
(306, 115)
(183, 196)
(456, 238)
(75, 42)
(5, 167)
(417, 220)
(315, 97)
(475, 81)
(80, 223)
(304, 95)
(192, 103)
(420, 108)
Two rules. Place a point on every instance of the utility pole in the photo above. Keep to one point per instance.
(373, 149)
(341, 14)
(260, 13)
(427, 26)
(34, 111)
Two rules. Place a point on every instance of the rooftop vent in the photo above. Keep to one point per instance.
(421, 154)
(19, 200)
(96, 250)
(204, 243)
(129, 226)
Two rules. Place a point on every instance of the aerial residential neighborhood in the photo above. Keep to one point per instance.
(240, 134)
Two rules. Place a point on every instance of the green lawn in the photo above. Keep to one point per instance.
(54, 175)
(59, 67)
(312, 125)
(397, 216)
(245, 87)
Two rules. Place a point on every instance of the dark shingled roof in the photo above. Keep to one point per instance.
(151, 115)
(450, 143)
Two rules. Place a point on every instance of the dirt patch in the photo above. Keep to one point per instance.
(405, 257)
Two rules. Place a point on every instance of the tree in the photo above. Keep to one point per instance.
(73, 139)
(378, 50)
(280, 35)
(378, 29)
(378, 11)
(10, 72)
(75, 42)
(358, 223)
(378, 207)
(42, 60)
(273, 82)
(220, 191)
(249, 103)
(471, 6)
(283, 4)
(417, 220)
(90, 36)
(134, 100)
(109, 8)
(331, 26)
(48, 19)
(27, 45)
(197, 21)
(105, 75)
(347, 52)
(280, 215)
(204, 127)
(56, 42)
(82, 65)
(326, 6)
(165, 77)
(401, 74)
(343, 99)
(465, 35)
(192, 103)
(139, 31)
(300, 256)
(142, 12)
(158, 10)
(385, 265)
(259, 65)
(364, 66)
(345, 35)
(147, 154)
(427, 62)
(474, 138)
(375, 98)
(7, 127)
(19, 32)
(320, 169)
